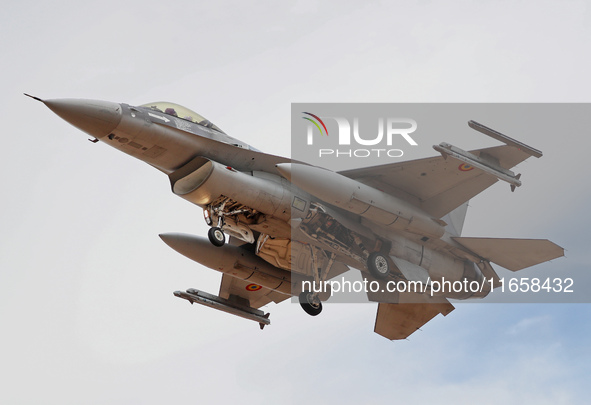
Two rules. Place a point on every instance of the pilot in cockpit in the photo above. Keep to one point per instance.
(171, 111)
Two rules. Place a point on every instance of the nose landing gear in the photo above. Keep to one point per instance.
(216, 236)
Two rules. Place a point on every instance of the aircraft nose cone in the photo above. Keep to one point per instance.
(95, 117)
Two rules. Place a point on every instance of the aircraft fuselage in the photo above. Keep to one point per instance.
(179, 146)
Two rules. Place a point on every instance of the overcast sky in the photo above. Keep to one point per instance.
(86, 303)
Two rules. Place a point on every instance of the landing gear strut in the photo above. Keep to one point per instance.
(226, 208)
(310, 301)
(216, 234)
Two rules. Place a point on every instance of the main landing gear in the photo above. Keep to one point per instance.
(310, 303)
(378, 265)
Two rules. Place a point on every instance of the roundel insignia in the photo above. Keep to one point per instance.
(253, 287)
(465, 167)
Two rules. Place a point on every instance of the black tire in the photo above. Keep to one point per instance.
(216, 236)
(378, 265)
(310, 308)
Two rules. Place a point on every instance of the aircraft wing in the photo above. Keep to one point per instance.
(437, 185)
(256, 295)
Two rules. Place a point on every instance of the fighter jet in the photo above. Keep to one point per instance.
(281, 228)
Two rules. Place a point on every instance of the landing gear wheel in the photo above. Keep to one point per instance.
(216, 236)
(312, 307)
(378, 265)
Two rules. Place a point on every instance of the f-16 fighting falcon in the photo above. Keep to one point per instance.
(281, 228)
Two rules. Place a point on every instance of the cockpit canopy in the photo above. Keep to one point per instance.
(179, 111)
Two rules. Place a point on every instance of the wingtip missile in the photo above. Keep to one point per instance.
(221, 304)
(504, 138)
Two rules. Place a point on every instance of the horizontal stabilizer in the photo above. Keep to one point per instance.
(512, 254)
(399, 321)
